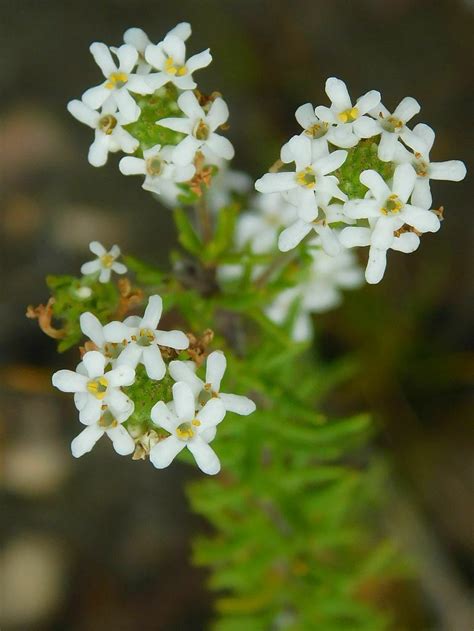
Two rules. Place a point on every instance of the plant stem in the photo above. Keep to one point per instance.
(204, 219)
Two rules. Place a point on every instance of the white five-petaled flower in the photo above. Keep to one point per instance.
(137, 38)
(390, 207)
(96, 389)
(309, 188)
(158, 168)
(358, 236)
(106, 262)
(142, 339)
(187, 428)
(109, 133)
(94, 329)
(391, 127)
(452, 170)
(342, 114)
(319, 291)
(215, 368)
(119, 81)
(200, 129)
(169, 58)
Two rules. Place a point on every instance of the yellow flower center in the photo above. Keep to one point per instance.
(116, 80)
(154, 165)
(145, 337)
(318, 130)
(174, 69)
(98, 387)
(185, 431)
(393, 205)
(392, 124)
(107, 260)
(349, 115)
(107, 420)
(201, 131)
(306, 178)
(107, 124)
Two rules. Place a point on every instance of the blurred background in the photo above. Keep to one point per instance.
(103, 542)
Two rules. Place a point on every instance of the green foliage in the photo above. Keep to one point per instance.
(160, 104)
(145, 392)
(71, 299)
(359, 158)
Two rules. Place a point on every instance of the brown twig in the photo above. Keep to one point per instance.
(44, 315)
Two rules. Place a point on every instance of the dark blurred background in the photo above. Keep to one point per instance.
(103, 542)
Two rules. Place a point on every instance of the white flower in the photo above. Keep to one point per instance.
(110, 424)
(169, 58)
(106, 262)
(142, 339)
(187, 429)
(357, 236)
(96, 389)
(391, 127)
(137, 38)
(158, 168)
(215, 368)
(309, 188)
(320, 291)
(452, 170)
(339, 118)
(389, 207)
(119, 81)
(199, 128)
(109, 133)
(92, 327)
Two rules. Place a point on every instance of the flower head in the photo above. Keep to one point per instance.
(169, 58)
(187, 428)
(142, 339)
(200, 129)
(95, 389)
(452, 170)
(110, 136)
(106, 262)
(210, 388)
(391, 127)
(158, 168)
(119, 81)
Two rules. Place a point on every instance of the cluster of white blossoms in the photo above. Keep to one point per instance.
(331, 155)
(190, 418)
(136, 73)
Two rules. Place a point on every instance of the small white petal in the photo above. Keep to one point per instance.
(452, 170)
(337, 92)
(132, 166)
(212, 413)
(201, 60)
(237, 404)
(163, 453)
(103, 58)
(153, 362)
(69, 381)
(91, 326)
(122, 441)
(162, 416)
(355, 237)
(185, 151)
(91, 267)
(82, 113)
(422, 220)
(221, 146)
(127, 56)
(153, 312)
(205, 456)
(382, 235)
(387, 146)
(94, 363)
(215, 368)
(183, 398)
(127, 105)
(365, 127)
(407, 109)
(172, 339)
(91, 412)
(305, 115)
(407, 242)
(421, 195)
(276, 182)
(375, 183)
(293, 235)
(85, 441)
(368, 101)
(218, 114)
(96, 96)
(404, 181)
(181, 371)
(376, 265)
(121, 376)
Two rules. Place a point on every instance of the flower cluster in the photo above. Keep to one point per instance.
(359, 164)
(148, 105)
(130, 359)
